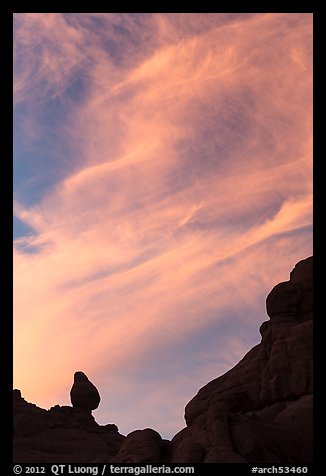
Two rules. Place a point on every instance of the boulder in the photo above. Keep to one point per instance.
(142, 446)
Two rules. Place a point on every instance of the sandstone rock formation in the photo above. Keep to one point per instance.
(60, 435)
(83, 394)
(259, 412)
(143, 446)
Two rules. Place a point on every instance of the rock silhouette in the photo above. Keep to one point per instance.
(259, 412)
(83, 394)
(60, 435)
(143, 446)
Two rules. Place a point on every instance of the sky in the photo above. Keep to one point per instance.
(162, 187)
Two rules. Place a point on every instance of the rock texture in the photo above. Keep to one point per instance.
(259, 412)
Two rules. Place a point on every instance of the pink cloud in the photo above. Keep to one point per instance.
(191, 185)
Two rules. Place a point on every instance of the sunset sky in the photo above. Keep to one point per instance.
(162, 187)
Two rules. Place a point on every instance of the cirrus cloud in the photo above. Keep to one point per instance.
(164, 164)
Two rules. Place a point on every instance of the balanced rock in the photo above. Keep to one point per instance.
(83, 394)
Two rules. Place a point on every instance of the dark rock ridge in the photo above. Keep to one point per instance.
(258, 412)
(61, 434)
